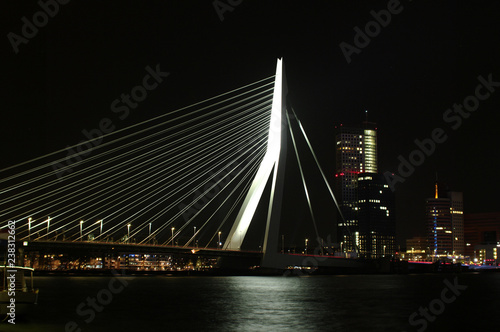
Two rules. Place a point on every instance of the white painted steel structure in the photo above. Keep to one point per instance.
(273, 159)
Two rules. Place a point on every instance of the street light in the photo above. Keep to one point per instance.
(384, 250)
(218, 243)
(81, 230)
(194, 237)
(48, 225)
(128, 233)
(29, 228)
(172, 239)
(149, 230)
(307, 240)
(100, 232)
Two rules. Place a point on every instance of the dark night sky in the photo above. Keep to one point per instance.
(428, 58)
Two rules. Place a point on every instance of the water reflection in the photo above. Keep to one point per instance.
(320, 303)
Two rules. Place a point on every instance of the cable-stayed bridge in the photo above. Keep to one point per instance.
(188, 180)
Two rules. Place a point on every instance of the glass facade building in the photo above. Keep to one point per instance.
(356, 153)
(376, 216)
(445, 224)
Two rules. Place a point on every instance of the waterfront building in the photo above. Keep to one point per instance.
(444, 221)
(482, 237)
(417, 248)
(356, 152)
(376, 216)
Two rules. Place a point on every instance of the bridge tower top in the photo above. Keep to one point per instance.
(272, 167)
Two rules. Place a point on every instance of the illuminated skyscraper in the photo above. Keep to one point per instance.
(356, 152)
(445, 224)
(457, 222)
(439, 230)
(376, 216)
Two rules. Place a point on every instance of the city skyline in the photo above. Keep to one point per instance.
(142, 186)
(406, 80)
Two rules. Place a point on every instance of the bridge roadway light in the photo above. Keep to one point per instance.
(128, 233)
(149, 236)
(100, 232)
(307, 240)
(218, 243)
(81, 230)
(48, 226)
(172, 239)
(29, 228)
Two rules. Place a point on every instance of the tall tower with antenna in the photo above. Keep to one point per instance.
(356, 152)
(445, 223)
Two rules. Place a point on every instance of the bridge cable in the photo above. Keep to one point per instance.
(138, 124)
(325, 180)
(178, 201)
(202, 184)
(93, 183)
(304, 183)
(86, 160)
(263, 143)
(116, 211)
(147, 188)
(153, 163)
(245, 177)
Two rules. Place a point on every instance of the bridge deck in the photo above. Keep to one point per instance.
(110, 247)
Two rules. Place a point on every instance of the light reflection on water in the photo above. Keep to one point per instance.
(319, 303)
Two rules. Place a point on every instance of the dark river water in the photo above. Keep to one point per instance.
(313, 303)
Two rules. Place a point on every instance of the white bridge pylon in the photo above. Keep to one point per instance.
(275, 155)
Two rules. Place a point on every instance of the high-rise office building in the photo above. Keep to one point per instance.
(439, 228)
(482, 236)
(376, 216)
(445, 224)
(356, 152)
(457, 222)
